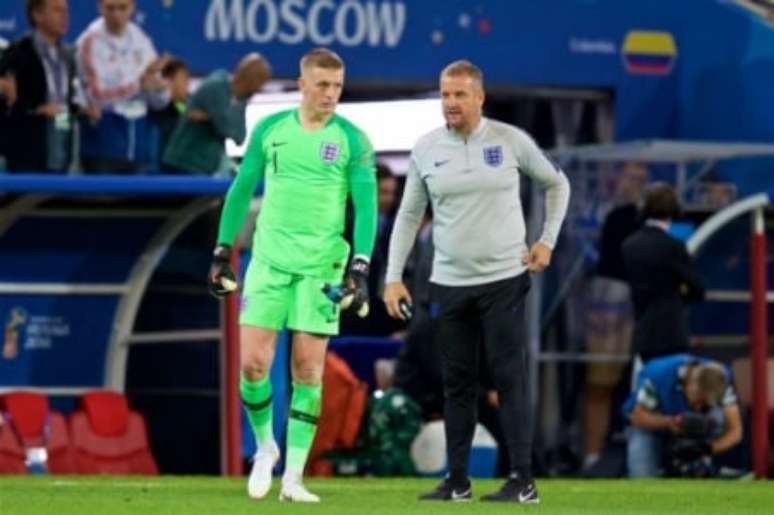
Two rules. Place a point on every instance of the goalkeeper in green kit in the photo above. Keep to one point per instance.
(312, 161)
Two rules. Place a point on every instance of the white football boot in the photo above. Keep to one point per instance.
(259, 482)
(294, 491)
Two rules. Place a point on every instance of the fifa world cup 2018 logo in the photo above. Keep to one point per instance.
(13, 325)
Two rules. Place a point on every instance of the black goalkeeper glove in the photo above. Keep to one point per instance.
(221, 279)
(353, 294)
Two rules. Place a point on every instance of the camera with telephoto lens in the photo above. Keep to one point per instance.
(689, 453)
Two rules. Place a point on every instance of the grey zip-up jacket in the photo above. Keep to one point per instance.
(473, 185)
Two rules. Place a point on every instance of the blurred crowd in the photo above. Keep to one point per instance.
(110, 104)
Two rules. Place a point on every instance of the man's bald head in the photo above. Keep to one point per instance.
(250, 75)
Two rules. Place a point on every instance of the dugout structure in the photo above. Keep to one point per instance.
(77, 254)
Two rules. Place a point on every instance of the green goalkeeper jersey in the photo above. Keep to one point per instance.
(308, 176)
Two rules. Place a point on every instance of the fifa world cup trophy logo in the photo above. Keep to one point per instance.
(16, 320)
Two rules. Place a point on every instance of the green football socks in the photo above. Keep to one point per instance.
(256, 398)
(305, 406)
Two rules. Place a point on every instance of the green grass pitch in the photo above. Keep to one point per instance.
(215, 496)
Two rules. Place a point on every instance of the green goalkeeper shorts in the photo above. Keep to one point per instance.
(275, 299)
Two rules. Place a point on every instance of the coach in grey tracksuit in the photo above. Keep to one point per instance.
(469, 170)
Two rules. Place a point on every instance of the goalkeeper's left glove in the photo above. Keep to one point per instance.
(353, 294)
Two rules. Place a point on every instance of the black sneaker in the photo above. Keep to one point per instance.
(515, 489)
(446, 491)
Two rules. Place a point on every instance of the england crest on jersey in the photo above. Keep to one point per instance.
(329, 152)
(493, 156)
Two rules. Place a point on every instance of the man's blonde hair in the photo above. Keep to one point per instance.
(712, 382)
(321, 58)
(463, 67)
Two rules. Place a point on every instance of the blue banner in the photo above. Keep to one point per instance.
(571, 42)
(51, 340)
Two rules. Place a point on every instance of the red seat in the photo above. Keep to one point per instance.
(27, 422)
(109, 438)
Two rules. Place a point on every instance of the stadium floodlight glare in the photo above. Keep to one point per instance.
(392, 126)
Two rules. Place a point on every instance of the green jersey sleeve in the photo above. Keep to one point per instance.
(361, 173)
(241, 191)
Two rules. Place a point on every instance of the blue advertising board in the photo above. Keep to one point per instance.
(215, 33)
(54, 341)
(571, 42)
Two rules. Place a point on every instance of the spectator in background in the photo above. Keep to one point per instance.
(378, 322)
(37, 82)
(388, 199)
(215, 112)
(122, 76)
(610, 316)
(676, 397)
(662, 279)
(178, 78)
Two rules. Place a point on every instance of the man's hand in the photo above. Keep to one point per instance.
(152, 83)
(221, 279)
(50, 109)
(151, 79)
(8, 89)
(648, 419)
(538, 259)
(492, 398)
(158, 64)
(197, 115)
(673, 424)
(92, 111)
(398, 300)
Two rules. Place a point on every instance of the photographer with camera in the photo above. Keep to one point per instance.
(683, 411)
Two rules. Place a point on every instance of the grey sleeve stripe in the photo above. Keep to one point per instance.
(407, 221)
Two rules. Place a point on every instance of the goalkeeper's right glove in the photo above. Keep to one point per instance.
(221, 279)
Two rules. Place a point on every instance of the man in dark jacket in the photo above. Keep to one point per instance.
(38, 71)
(662, 279)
